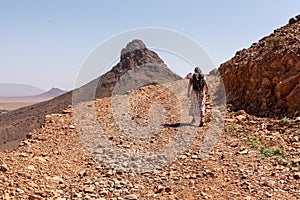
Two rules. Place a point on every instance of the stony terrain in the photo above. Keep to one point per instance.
(254, 158)
(265, 79)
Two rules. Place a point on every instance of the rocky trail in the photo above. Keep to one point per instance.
(254, 158)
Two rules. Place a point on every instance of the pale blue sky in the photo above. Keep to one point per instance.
(44, 42)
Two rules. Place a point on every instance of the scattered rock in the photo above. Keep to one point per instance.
(3, 168)
(88, 189)
(168, 189)
(296, 175)
(131, 197)
(243, 152)
(72, 127)
(33, 197)
(234, 144)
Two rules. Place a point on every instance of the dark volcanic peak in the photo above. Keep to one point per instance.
(134, 45)
(265, 79)
(135, 54)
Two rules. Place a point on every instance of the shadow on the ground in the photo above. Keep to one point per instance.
(176, 125)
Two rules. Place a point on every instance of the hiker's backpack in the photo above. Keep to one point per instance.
(198, 82)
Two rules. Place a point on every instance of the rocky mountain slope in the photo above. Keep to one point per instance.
(15, 124)
(255, 158)
(265, 79)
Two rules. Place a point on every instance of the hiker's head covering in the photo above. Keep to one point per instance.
(197, 70)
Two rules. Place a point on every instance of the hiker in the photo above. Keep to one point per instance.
(198, 97)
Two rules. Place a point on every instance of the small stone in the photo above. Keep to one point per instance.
(117, 185)
(159, 189)
(34, 197)
(110, 173)
(31, 167)
(296, 160)
(41, 159)
(104, 192)
(243, 152)
(71, 127)
(131, 197)
(168, 189)
(29, 136)
(234, 144)
(20, 191)
(268, 195)
(3, 168)
(83, 173)
(296, 176)
(57, 179)
(66, 111)
(283, 162)
(209, 173)
(88, 189)
(241, 117)
(295, 139)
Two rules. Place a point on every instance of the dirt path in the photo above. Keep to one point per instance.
(246, 162)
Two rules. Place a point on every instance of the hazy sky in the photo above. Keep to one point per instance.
(44, 43)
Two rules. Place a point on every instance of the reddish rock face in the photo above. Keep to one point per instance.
(265, 79)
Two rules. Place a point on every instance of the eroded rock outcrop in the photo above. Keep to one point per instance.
(133, 55)
(265, 79)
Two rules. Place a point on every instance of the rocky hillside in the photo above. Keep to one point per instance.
(15, 124)
(265, 79)
(255, 158)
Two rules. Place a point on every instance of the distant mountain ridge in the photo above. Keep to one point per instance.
(17, 90)
(53, 92)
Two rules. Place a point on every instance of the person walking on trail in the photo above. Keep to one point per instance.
(197, 95)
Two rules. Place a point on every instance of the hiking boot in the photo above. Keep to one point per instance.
(201, 124)
(193, 121)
